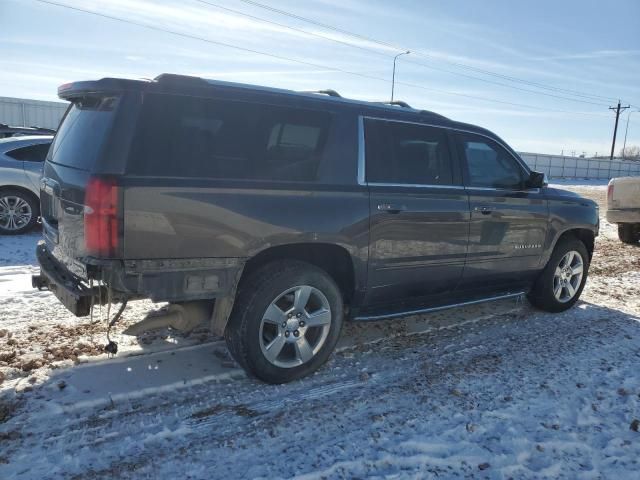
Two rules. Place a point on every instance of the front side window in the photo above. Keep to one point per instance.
(32, 153)
(404, 153)
(489, 165)
(203, 137)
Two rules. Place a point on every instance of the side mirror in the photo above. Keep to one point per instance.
(537, 180)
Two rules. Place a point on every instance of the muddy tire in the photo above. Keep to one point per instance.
(561, 282)
(285, 322)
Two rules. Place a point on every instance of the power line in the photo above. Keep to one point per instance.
(377, 52)
(426, 55)
(303, 62)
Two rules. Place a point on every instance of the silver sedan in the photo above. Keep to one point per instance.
(21, 162)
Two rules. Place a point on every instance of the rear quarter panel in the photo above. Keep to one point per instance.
(191, 218)
(12, 173)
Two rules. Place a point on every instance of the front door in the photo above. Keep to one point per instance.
(508, 220)
(418, 212)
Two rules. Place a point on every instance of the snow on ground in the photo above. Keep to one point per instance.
(492, 391)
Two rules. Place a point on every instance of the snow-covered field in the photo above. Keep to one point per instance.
(494, 391)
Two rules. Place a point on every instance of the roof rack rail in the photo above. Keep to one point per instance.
(398, 103)
(330, 92)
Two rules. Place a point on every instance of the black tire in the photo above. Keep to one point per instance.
(33, 205)
(256, 293)
(629, 232)
(542, 294)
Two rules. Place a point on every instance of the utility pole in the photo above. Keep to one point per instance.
(626, 130)
(615, 129)
(393, 76)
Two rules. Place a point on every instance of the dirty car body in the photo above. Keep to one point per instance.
(179, 189)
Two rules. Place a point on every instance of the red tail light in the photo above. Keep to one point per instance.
(609, 193)
(101, 233)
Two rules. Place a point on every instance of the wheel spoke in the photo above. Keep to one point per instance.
(319, 318)
(301, 297)
(273, 315)
(20, 203)
(303, 350)
(577, 269)
(274, 348)
(557, 291)
(569, 257)
(570, 290)
(4, 203)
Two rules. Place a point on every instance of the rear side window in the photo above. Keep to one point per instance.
(32, 153)
(83, 132)
(404, 153)
(200, 137)
(489, 165)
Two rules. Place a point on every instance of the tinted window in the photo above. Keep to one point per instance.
(32, 153)
(489, 164)
(405, 153)
(83, 132)
(188, 136)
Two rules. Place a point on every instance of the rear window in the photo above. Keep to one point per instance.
(199, 137)
(82, 132)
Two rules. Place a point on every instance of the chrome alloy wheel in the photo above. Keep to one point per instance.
(295, 326)
(568, 276)
(15, 212)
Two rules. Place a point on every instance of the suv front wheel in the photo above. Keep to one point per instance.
(562, 280)
(285, 322)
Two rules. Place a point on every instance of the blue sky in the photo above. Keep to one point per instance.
(588, 46)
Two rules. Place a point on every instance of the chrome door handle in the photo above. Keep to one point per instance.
(391, 208)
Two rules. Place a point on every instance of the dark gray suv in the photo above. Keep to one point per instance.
(276, 215)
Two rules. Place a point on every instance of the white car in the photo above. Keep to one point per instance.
(21, 160)
(623, 207)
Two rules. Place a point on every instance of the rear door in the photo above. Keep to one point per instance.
(419, 212)
(508, 220)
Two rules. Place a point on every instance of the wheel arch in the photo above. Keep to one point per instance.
(585, 235)
(334, 259)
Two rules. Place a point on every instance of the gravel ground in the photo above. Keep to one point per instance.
(494, 391)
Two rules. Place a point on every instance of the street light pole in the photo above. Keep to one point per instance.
(626, 130)
(393, 77)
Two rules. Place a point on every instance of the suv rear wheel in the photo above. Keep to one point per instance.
(629, 232)
(18, 211)
(562, 280)
(285, 322)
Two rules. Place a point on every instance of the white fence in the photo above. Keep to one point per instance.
(556, 166)
(22, 112)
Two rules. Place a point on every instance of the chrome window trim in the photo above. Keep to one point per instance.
(415, 185)
(361, 159)
(496, 189)
(361, 119)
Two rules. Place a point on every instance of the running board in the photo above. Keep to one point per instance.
(407, 313)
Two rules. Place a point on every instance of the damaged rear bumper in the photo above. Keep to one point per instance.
(70, 289)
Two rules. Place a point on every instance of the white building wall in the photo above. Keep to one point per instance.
(23, 112)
